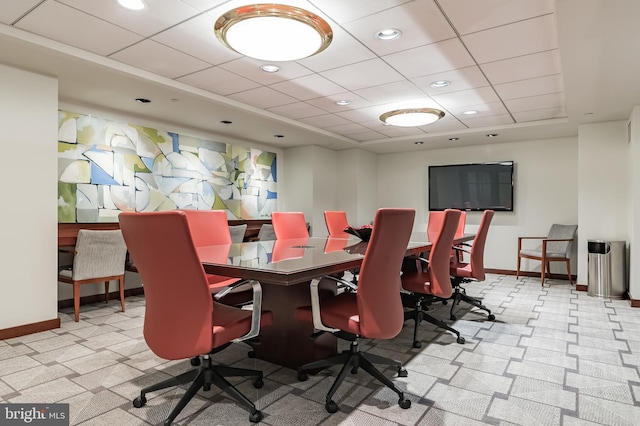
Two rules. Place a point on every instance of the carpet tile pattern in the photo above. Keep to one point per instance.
(553, 356)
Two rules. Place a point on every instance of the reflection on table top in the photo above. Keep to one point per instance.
(296, 260)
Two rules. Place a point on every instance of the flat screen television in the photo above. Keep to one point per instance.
(473, 187)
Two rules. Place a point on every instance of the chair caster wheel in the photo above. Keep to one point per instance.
(331, 407)
(402, 372)
(444, 302)
(255, 417)
(404, 403)
(354, 370)
(491, 317)
(251, 354)
(258, 383)
(195, 361)
(453, 317)
(140, 402)
(460, 340)
(302, 376)
(417, 344)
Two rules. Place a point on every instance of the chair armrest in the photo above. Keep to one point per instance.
(343, 283)
(458, 248)
(256, 311)
(226, 290)
(315, 307)
(558, 239)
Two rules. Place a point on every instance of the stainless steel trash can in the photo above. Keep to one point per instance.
(607, 269)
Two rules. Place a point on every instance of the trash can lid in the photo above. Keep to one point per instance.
(597, 246)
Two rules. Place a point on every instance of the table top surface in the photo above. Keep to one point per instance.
(296, 260)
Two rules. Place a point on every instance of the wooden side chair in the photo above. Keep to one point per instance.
(99, 256)
(556, 247)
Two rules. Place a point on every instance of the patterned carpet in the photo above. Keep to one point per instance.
(554, 356)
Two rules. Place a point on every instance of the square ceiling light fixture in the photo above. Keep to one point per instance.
(412, 117)
(273, 32)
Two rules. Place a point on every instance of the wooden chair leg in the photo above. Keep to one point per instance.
(121, 283)
(518, 268)
(106, 291)
(543, 266)
(76, 300)
(569, 271)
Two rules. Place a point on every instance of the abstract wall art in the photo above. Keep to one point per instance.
(105, 167)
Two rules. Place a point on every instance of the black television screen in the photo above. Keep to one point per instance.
(479, 186)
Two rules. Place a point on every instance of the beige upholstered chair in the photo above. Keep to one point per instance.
(266, 233)
(237, 232)
(556, 247)
(99, 257)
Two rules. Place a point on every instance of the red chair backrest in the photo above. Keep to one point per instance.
(440, 255)
(208, 227)
(436, 220)
(336, 221)
(477, 246)
(379, 305)
(178, 316)
(287, 225)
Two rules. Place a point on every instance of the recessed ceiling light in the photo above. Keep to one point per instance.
(470, 112)
(142, 100)
(278, 136)
(226, 121)
(132, 4)
(270, 68)
(454, 139)
(388, 34)
(492, 135)
(343, 102)
(418, 143)
(440, 83)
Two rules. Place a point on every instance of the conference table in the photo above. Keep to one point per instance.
(285, 268)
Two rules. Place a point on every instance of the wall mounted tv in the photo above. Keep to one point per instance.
(474, 187)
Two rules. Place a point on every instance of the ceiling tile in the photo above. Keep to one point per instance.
(540, 114)
(403, 19)
(530, 87)
(523, 67)
(325, 120)
(219, 81)
(308, 87)
(342, 12)
(13, 9)
(463, 98)
(490, 120)
(513, 40)
(460, 79)
(297, 110)
(535, 102)
(347, 129)
(160, 59)
(400, 91)
(431, 59)
(350, 76)
(328, 103)
(195, 37)
(471, 16)
(250, 68)
(89, 33)
(159, 14)
(263, 97)
(491, 108)
(367, 136)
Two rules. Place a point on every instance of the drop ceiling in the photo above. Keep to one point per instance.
(530, 68)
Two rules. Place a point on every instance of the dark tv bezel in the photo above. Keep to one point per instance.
(478, 209)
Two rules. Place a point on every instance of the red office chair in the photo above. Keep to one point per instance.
(210, 228)
(436, 219)
(287, 225)
(434, 282)
(473, 270)
(373, 311)
(181, 319)
(336, 221)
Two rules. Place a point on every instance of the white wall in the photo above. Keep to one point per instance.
(603, 179)
(357, 185)
(546, 191)
(633, 233)
(29, 111)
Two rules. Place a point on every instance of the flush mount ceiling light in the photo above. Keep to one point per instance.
(412, 117)
(132, 4)
(273, 32)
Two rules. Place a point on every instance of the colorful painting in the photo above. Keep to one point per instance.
(105, 167)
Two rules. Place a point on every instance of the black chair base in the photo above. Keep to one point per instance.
(351, 360)
(418, 314)
(203, 377)
(460, 294)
